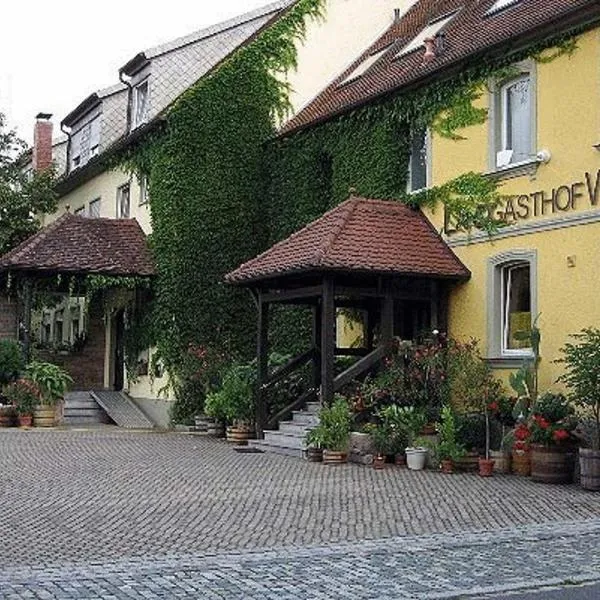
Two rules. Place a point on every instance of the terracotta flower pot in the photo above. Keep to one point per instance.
(400, 460)
(314, 454)
(379, 461)
(521, 463)
(25, 420)
(447, 466)
(486, 467)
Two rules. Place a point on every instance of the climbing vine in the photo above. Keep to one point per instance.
(223, 187)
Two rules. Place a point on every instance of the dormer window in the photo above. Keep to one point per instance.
(430, 31)
(85, 143)
(140, 104)
(364, 66)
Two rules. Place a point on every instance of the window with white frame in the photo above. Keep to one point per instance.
(140, 104)
(94, 208)
(418, 165)
(123, 198)
(144, 190)
(516, 307)
(513, 121)
(84, 143)
(512, 303)
(75, 150)
(430, 31)
(500, 4)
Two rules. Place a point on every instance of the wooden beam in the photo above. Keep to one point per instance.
(316, 342)
(351, 351)
(435, 304)
(291, 366)
(27, 307)
(387, 318)
(359, 367)
(294, 294)
(327, 341)
(262, 356)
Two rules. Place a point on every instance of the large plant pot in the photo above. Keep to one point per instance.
(44, 416)
(486, 467)
(521, 463)
(501, 461)
(416, 458)
(447, 466)
(314, 454)
(333, 457)
(25, 420)
(467, 463)
(552, 464)
(240, 434)
(400, 460)
(589, 464)
(7, 416)
(379, 462)
(216, 429)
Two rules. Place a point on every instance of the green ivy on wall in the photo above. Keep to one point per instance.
(223, 188)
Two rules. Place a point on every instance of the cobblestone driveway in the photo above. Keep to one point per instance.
(172, 504)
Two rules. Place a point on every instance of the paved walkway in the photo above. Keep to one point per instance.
(111, 514)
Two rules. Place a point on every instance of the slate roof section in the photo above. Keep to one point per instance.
(470, 34)
(361, 236)
(79, 245)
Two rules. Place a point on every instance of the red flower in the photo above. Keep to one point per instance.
(560, 435)
(493, 406)
(522, 433)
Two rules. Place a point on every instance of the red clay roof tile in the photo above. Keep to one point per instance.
(360, 235)
(78, 245)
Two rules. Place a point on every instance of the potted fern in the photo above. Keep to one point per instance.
(52, 382)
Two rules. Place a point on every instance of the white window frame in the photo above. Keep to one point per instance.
(120, 190)
(95, 202)
(80, 212)
(428, 146)
(430, 30)
(498, 354)
(504, 303)
(138, 119)
(144, 197)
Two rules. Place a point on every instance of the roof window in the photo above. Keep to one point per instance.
(364, 66)
(500, 4)
(430, 31)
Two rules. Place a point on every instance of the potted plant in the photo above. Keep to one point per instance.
(412, 421)
(391, 418)
(52, 382)
(314, 445)
(552, 453)
(11, 365)
(382, 442)
(501, 417)
(582, 379)
(334, 426)
(25, 396)
(448, 449)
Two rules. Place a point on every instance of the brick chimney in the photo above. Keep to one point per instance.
(42, 142)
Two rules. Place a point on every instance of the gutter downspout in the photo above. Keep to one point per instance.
(68, 134)
(127, 82)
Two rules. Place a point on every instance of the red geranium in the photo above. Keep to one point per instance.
(522, 432)
(493, 406)
(560, 435)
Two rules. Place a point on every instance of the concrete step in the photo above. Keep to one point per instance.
(285, 440)
(294, 428)
(75, 421)
(81, 404)
(81, 409)
(313, 407)
(305, 418)
(275, 449)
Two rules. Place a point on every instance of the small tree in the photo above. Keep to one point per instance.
(582, 375)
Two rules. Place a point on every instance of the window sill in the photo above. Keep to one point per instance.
(517, 170)
(508, 362)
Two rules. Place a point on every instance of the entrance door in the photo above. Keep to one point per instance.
(119, 353)
(412, 319)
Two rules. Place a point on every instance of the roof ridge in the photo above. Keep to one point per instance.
(349, 205)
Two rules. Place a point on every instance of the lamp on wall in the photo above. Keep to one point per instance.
(543, 156)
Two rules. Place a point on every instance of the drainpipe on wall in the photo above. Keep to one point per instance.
(67, 132)
(127, 82)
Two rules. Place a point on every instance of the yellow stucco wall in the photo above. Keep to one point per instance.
(568, 124)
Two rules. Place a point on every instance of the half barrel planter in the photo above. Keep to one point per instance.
(334, 457)
(44, 416)
(240, 434)
(552, 464)
(589, 465)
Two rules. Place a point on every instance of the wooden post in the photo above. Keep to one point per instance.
(316, 342)
(435, 304)
(370, 329)
(327, 341)
(387, 317)
(262, 356)
(27, 303)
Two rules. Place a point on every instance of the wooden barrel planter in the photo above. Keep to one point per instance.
(332, 457)
(25, 420)
(313, 454)
(240, 434)
(552, 464)
(501, 461)
(7, 416)
(589, 463)
(44, 416)
(467, 463)
(216, 429)
(521, 463)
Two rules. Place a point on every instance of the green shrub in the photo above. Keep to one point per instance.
(52, 380)
(11, 361)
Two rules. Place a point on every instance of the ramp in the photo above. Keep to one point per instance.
(122, 410)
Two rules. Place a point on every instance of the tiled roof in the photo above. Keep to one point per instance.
(78, 245)
(362, 236)
(470, 33)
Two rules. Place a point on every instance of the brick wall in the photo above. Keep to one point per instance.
(86, 366)
(8, 318)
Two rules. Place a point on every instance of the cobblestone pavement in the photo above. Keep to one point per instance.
(112, 514)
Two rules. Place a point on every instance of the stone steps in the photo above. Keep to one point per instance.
(80, 408)
(288, 440)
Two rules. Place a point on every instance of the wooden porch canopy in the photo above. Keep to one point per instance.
(363, 254)
(75, 247)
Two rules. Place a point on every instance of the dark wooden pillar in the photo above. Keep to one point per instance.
(316, 342)
(387, 316)
(327, 341)
(27, 304)
(369, 328)
(262, 356)
(444, 302)
(434, 290)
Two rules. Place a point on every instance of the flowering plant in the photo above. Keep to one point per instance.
(552, 420)
(24, 394)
